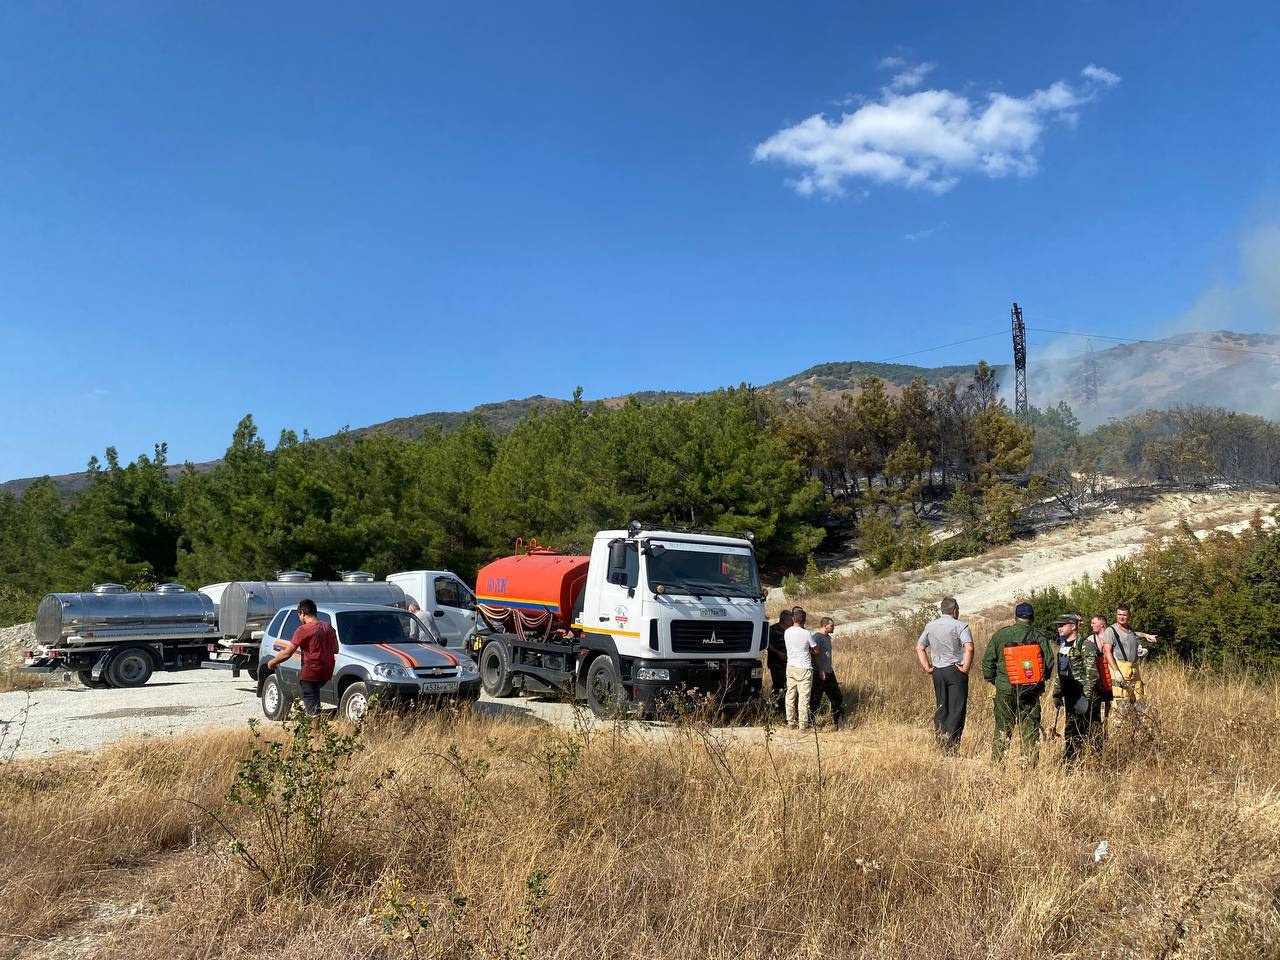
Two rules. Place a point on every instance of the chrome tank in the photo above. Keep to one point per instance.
(111, 614)
(247, 606)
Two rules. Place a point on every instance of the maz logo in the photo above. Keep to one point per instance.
(713, 639)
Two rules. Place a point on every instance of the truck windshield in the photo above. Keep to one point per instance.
(701, 568)
(377, 626)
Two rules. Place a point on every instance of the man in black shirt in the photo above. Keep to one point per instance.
(777, 660)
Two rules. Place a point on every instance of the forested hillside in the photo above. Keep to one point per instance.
(887, 466)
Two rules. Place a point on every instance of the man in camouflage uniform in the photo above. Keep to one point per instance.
(1077, 687)
(1017, 702)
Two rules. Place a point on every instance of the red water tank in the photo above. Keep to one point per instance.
(538, 581)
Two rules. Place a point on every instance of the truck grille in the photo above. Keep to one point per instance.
(700, 636)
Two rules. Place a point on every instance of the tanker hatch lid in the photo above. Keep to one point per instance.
(292, 576)
(356, 576)
(170, 588)
(101, 588)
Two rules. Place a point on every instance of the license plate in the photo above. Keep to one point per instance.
(439, 686)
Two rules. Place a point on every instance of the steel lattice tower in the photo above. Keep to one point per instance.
(1019, 366)
(1091, 378)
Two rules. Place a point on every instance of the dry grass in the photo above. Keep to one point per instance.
(596, 842)
(11, 680)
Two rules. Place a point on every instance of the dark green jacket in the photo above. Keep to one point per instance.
(993, 669)
(1084, 680)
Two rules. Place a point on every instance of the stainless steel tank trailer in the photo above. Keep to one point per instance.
(114, 637)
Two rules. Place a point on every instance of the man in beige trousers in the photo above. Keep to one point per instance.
(801, 648)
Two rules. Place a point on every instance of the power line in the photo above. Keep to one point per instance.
(943, 346)
(1160, 343)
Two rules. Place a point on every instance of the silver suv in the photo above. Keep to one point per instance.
(382, 651)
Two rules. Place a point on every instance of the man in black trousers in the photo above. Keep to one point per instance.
(825, 683)
(945, 652)
(777, 660)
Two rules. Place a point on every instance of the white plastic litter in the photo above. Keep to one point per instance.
(1100, 854)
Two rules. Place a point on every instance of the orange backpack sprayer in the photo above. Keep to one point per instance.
(1024, 663)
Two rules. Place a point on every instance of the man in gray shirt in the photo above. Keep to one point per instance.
(825, 681)
(945, 652)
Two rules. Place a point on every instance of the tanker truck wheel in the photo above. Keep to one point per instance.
(495, 669)
(86, 678)
(130, 668)
(604, 689)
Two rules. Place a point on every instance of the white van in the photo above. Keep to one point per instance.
(445, 598)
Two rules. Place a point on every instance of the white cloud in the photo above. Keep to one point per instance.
(927, 139)
(890, 63)
(1100, 74)
(917, 235)
(912, 77)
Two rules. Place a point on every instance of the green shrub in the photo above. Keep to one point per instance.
(302, 835)
(792, 588)
(887, 547)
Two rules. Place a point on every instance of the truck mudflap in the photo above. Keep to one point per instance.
(653, 684)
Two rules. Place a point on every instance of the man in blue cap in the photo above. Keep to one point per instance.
(1017, 662)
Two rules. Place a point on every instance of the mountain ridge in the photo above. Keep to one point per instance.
(1237, 371)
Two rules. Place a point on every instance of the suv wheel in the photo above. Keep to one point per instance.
(275, 705)
(495, 669)
(354, 703)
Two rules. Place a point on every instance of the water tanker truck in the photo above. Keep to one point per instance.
(650, 612)
(113, 637)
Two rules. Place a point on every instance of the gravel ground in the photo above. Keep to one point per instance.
(40, 723)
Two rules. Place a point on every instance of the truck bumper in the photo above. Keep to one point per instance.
(732, 683)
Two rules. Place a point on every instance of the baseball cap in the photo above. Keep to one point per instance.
(1069, 617)
(1023, 611)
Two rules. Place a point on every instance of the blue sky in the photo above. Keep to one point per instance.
(329, 214)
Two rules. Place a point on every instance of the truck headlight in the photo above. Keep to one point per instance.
(757, 673)
(653, 673)
(389, 671)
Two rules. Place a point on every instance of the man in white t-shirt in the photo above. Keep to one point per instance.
(801, 648)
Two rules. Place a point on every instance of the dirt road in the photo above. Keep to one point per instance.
(57, 719)
(1053, 558)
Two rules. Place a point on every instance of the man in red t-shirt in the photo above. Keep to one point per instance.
(319, 645)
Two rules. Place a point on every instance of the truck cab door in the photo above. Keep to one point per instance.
(453, 608)
(611, 603)
(289, 672)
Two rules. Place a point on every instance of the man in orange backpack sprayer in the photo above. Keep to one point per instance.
(1016, 662)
